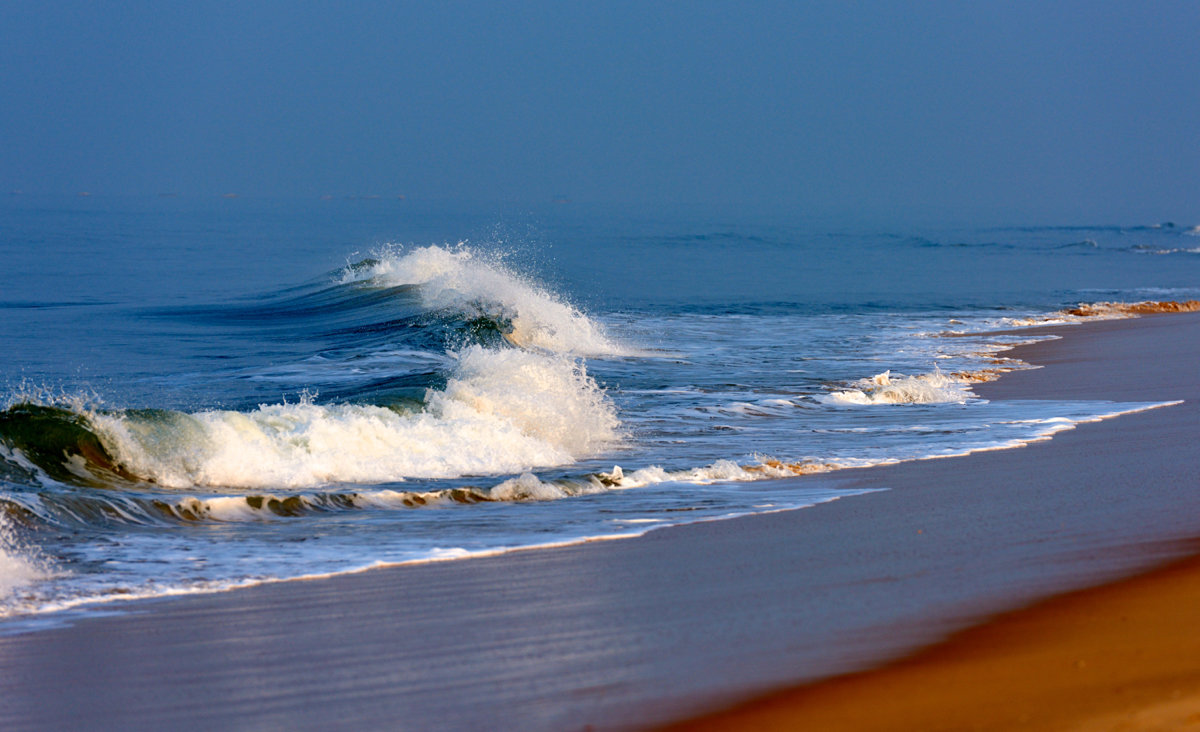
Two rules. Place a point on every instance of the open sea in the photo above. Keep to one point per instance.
(201, 394)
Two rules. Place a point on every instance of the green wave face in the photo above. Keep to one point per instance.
(60, 442)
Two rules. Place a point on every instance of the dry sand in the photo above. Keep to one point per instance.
(1123, 656)
(683, 620)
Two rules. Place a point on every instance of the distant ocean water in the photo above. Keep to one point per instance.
(203, 394)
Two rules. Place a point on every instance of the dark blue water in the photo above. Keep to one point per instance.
(200, 394)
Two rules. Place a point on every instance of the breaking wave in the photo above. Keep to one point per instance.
(463, 280)
(888, 388)
(501, 411)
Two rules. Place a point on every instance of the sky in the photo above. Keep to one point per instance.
(1024, 110)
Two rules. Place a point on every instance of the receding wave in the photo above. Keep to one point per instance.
(501, 411)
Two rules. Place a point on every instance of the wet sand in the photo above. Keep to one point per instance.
(679, 622)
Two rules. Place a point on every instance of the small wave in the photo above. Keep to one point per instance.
(886, 388)
(478, 286)
(1146, 249)
(927, 243)
(69, 511)
(529, 487)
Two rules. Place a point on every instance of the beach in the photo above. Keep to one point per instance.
(1118, 656)
(679, 622)
(542, 366)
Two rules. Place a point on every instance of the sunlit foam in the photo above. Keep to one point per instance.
(462, 279)
(501, 411)
(887, 388)
(20, 565)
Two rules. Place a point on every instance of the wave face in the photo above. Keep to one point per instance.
(251, 409)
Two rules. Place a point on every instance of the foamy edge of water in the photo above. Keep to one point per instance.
(14, 622)
(767, 470)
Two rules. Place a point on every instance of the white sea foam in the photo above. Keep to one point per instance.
(887, 388)
(501, 411)
(721, 471)
(462, 279)
(525, 487)
(19, 565)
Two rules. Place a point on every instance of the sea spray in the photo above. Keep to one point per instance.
(20, 564)
(501, 411)
(463, 279)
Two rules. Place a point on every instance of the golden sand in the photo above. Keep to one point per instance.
(1124, 656)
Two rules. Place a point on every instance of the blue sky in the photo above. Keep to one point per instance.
(1067, 110)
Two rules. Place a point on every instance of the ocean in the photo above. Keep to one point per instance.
(202, 394)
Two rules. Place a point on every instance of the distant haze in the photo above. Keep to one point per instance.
(1019, 110)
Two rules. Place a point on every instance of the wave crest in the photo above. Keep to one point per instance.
(462, 280)
(886, 388)
(501, 411)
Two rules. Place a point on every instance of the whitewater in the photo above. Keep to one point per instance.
(315, 394)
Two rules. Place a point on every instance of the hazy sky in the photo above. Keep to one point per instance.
(1061, 109)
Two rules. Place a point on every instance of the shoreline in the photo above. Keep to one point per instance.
(677, 621)
(63, 612)
(1121, 654)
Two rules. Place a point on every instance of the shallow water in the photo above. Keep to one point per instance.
(205, 394)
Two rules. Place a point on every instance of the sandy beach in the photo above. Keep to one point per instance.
(694, 619)
(1119, 656)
